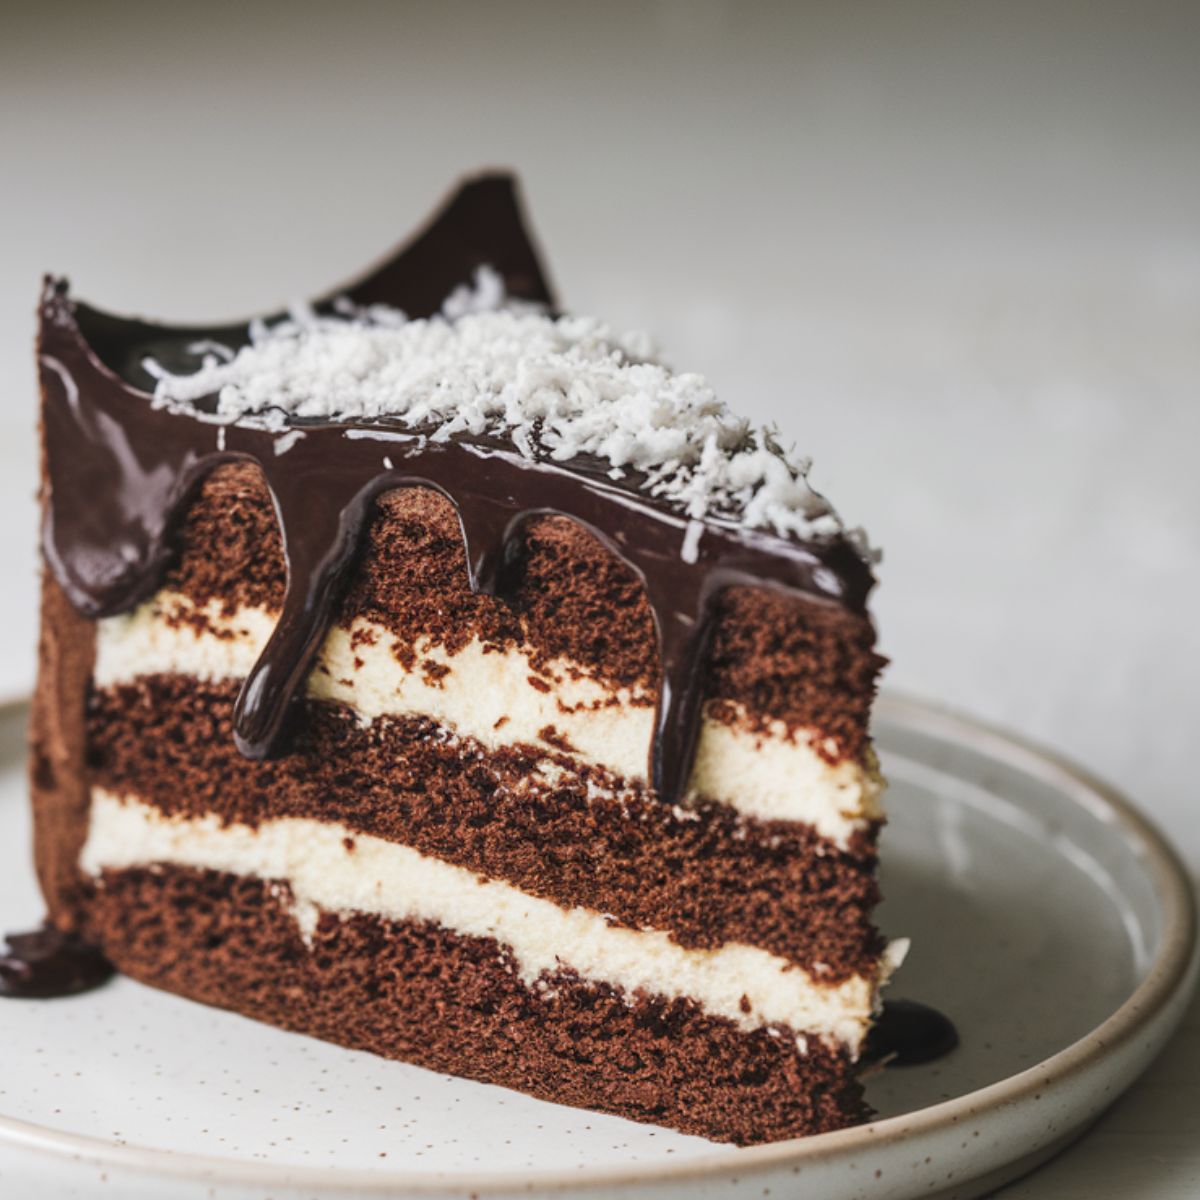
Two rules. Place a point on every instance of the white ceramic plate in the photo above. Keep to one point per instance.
(1047, 918)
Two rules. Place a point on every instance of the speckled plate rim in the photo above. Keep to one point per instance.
(1169, 977)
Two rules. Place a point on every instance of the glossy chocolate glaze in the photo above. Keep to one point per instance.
(47, 963)
(120, 472)
(908, 1033)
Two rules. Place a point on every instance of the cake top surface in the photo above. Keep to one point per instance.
(488, 365)
(453, 352)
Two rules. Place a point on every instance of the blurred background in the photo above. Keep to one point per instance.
(953, 250)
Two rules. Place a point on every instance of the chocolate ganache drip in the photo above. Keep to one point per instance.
(48, 963)
(907, 1034)
(121, 472)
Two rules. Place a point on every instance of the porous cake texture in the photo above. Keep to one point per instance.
(457, 851)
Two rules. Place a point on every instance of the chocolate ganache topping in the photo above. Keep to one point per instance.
(121, 469)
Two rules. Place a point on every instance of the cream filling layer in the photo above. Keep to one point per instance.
(486, 694)
(747, 985)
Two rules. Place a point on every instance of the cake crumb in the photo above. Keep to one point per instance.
(551, 736)
(434, 672)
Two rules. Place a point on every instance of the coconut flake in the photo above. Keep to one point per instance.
(690, 550)
(287, 441)
(556, 387)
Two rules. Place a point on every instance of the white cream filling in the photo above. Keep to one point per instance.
(486, 694)
(749, 986)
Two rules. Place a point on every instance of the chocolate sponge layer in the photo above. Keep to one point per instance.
(808, 664)
(706, 876)
(421, 993)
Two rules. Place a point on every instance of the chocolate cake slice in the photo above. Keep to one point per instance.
(438, 674)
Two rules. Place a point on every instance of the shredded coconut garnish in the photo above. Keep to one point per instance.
(557, 387)
(287, 441)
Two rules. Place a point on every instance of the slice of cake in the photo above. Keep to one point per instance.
(436, 674)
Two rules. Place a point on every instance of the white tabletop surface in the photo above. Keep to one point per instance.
(952, 250)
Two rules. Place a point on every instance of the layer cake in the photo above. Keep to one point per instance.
(434, 673)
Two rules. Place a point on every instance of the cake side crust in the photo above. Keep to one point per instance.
(58, 738)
